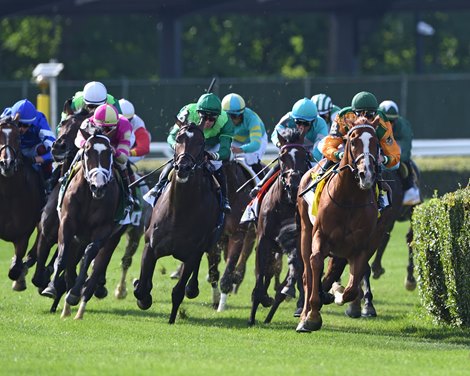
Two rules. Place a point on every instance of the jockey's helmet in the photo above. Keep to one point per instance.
(323, 103)
(95, 93)
(127, 108)
(364, 101)
(105, 115)
(304, 109)
(390, 108)
(26, 110)
(233, 104)
(209, 103)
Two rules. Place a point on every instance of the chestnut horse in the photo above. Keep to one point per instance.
(21, 198)
(184, 220)
(345, 224)
(87, 219)
(277, 230)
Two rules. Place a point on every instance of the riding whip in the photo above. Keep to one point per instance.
(264, 168)
(150, 173)
(211, 86)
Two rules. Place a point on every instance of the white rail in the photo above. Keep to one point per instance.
(421, 148)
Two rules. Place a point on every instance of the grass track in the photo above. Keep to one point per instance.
(116, 338)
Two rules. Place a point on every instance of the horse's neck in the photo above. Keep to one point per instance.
(184, 194)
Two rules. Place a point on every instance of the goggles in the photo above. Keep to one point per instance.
(367, 113)
(23, 125)
(208, 116)
(304, 123)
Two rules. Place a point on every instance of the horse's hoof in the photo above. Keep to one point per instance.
(307, 326)
(353, 311)
(288, 291)
(410, 285)
(71, 299)
(176, 274)
(135, 282)
(368, 311)
(120, 292)
(191, 293)
(298, 312)
(145, 303)
(327, 298)
(49, 292)
(101, 292)
(377, 272)
(19, 285)
(266, 301)
(15, 272)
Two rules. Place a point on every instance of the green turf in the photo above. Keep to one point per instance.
(116, 338)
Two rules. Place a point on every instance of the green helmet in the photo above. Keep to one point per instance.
(209, 103)
(364, 101)
(390, 108)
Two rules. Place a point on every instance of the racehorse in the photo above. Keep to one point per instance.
(184, 220)
(21, 198)
(88, 209)
(237, 239)
(277, 229)
(63, 152)
(402, 213)
(345, 224)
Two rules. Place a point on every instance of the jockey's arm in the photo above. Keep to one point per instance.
(142, 143)
(255, 136)
(171, 139)
(225, 139)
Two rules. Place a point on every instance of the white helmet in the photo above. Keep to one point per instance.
(95, 93)
(127, 108)
(323, 102)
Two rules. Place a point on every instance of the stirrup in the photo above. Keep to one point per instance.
(254, 192)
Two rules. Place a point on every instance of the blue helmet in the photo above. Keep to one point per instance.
(304, 109)
(26, 110)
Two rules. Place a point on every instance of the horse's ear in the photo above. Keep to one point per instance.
(16, 118)
(376, 122)
(280, 137)
(68, 107)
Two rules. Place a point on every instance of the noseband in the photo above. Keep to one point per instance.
(192, 162)
(365, 154)
(284, 175)
(90, 174)
(15, 156)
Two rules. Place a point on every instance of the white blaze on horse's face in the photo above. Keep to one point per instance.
(366, 179)
(6, 132)
(99, 176)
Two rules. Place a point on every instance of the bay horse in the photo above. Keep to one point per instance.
(345, 224)
(88, 230)
(63, 152)
(237, 240)
(184, 220)
(277, 230)
(21, 198)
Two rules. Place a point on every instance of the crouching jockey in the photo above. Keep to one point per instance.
(364, 104)
(218, 131)
(36, 138)
(118, 129)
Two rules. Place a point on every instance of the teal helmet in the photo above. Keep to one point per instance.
(364, 101)
(323, 103)
(304, 109)
(233, 104)
(390, 108)
(209, 103)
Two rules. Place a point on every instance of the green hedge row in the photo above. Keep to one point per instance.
(441, 248)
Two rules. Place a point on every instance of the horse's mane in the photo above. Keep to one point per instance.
(291, 135)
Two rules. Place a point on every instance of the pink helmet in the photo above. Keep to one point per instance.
(105, 115)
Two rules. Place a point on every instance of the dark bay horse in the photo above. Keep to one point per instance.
(183, 221)
(63, 152)
(345, 224)
(237, 240)
(276, 228)
(88, 229)
(21, 198)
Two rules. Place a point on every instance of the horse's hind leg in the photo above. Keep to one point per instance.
(240, 268)
(213, 259)
(410, 282)
(368, 310)
(377, 268)
(18, 268)
(134, 234)
(192, 288)
(143, 285)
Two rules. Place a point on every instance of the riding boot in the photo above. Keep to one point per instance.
(54, 179)
(220, 176)
(266, 177)
(127, 190)
(385, 195)
(162, 181)
(133, 190)
(257, 167)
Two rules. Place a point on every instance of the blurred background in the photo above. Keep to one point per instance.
(162, 55)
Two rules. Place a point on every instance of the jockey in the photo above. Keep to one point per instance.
(250, 137)
(36, 136)
(94, 94)
(403, 134)
(363, 104)
(118, 129)
(218, 133)
(326, 109)
(304, 116)
(140, 139)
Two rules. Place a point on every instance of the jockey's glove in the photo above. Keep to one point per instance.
(385, 160)
(212, 156)
(338, 155)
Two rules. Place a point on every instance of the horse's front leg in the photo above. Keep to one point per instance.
(227, 282)
(410, 281)
(192, 288)
(247, 249)
(143, 285)
(368, 310)
(213, 260)
(357, 269)
(133, 234)
(177, 294)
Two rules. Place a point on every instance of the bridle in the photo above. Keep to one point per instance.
(286, 175)
(90, 174)
(15, 154)
(192, 162)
